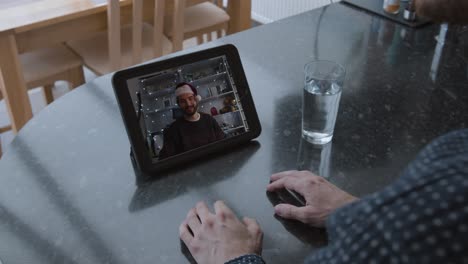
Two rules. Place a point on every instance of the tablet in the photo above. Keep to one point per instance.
(184, 108)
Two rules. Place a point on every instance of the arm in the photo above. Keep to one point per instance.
(168, 148)
(453, 11)
(219, 134)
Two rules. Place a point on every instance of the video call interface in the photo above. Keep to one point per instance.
(156, 105)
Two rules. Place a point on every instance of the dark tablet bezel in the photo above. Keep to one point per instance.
(140, 153)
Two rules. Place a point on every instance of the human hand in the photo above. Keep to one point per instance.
(220, 237)
(322, 197)
(314, 236)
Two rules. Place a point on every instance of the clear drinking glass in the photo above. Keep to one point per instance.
(322, 91)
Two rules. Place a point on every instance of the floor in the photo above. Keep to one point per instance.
(38, 103)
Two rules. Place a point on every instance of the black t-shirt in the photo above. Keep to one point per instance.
(183, 135)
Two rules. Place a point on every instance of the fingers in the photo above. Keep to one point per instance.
(223, 211)
(249, 221)
(291, 212)
(202, 211)
(293, 180)
(291, 173)
(252, 225)
(184, 233)
(193, 222)
(285, 182)
(221, 206)
(282, 174)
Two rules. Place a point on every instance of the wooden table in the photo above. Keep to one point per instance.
(26, 25)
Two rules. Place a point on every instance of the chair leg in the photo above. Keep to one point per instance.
(209, 37)
(47, 93)
(219, 33)
(5, 129)
(76, 77)
(200, 39)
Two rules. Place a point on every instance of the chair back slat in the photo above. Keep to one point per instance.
(137, 24)
(178, 25)
(115, 46)
(159, 7)
(114, 30)
(113, 26)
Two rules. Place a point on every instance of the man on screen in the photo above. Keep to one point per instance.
(191, 131)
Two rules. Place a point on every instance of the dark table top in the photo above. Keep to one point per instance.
(67, 186)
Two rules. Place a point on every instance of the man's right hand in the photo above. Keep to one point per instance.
(322, 197)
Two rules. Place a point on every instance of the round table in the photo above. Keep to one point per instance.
(67, 186)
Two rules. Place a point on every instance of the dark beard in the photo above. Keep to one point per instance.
(188, 112)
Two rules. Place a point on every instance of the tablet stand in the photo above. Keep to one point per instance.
(140, 176)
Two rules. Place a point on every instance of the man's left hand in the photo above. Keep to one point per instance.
(219, 237)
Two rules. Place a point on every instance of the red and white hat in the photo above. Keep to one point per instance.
(182, 88)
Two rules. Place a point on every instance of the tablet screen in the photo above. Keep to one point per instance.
(186, 107)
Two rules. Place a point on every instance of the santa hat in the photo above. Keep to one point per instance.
(182, 88)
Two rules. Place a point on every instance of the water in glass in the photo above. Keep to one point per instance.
(320, 107)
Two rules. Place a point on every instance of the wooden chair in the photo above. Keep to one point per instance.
(3, 128)
(198, 20)
(121, 47)
(41, 68)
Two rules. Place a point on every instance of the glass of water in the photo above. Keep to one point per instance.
(322, 91)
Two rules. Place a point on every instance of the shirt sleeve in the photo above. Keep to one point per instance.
(421, 218)
(219, 134)
(247, 259)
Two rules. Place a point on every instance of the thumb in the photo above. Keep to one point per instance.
(249, 221)
(252, 225)
(256, 232)
(289, 211)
